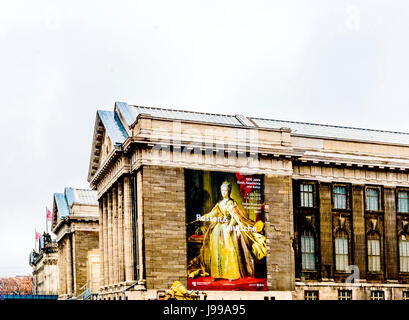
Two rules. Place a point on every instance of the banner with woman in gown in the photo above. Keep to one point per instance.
(225, 231)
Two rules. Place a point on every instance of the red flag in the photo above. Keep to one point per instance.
(38, 235)
(49, 215)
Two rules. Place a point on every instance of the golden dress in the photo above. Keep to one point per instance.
(230, 244)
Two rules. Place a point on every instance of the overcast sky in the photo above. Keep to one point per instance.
(332, 62)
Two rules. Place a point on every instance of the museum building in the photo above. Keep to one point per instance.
(45, 266)
(239, 207)
(75, 225)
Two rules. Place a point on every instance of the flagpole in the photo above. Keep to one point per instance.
(46, 220)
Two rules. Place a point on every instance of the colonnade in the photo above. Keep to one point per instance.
(116, 241)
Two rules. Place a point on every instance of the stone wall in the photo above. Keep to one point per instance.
(84, 241)
(63, 266)
(279, 232)
(164, 226)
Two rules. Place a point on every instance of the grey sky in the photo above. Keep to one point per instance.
(333, 62)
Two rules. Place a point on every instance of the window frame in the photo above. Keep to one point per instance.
(314, 253)
(313, 292)
(399, 252)
(405, 295)
(377, 292)
(380, 198)
(314, 194)
(347, 196)
(380, 271)
(398, 190)
(344, 297)
(335, 253)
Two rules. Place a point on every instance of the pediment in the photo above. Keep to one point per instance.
(60, 209)
(98, 140)
(109, 130)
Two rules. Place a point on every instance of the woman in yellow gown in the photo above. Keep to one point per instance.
(231, 242)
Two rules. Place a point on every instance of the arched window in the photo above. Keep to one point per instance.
(404, 253)
(341, 250)
(374, 252)
(308, 251)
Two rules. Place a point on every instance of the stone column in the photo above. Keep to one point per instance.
(115, 234)
(69, 266)
(110, 241)
(358, 224)
(121, 269)
(326, 242)
(62, 270)
(128, 231)
(105, 239)
(74, 265)
(391, 247)
(139, 183)
(101, 241)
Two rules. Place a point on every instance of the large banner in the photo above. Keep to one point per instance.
(225, 231)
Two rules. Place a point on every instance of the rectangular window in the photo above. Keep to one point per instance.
(403, 201)
(344, 294)
(372, 199)
(311, 295)
(377, 295)
(340, 197)
(307, 195)
(307, 251)
(404, 254)
(405, 295)
(374, 253)
(341, 254)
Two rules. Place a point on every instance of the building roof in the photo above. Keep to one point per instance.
(62, 204)
(131, 112)
(84, 196)
(118, 123)
(64, 201)
(113, 126)
(337, 132)
(186, 115)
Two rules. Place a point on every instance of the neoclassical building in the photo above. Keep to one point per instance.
(45, 266)
(238, 207)
(75, 224)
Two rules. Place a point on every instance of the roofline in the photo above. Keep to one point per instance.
(94, 139)
(244, 123)
(269, 119)
(329, 125)
(187, 111)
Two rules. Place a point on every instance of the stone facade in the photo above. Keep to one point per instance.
(280, 230)
(45, 268)
(45, 275)
(117, 239)
(139, 171)
(78, 239)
